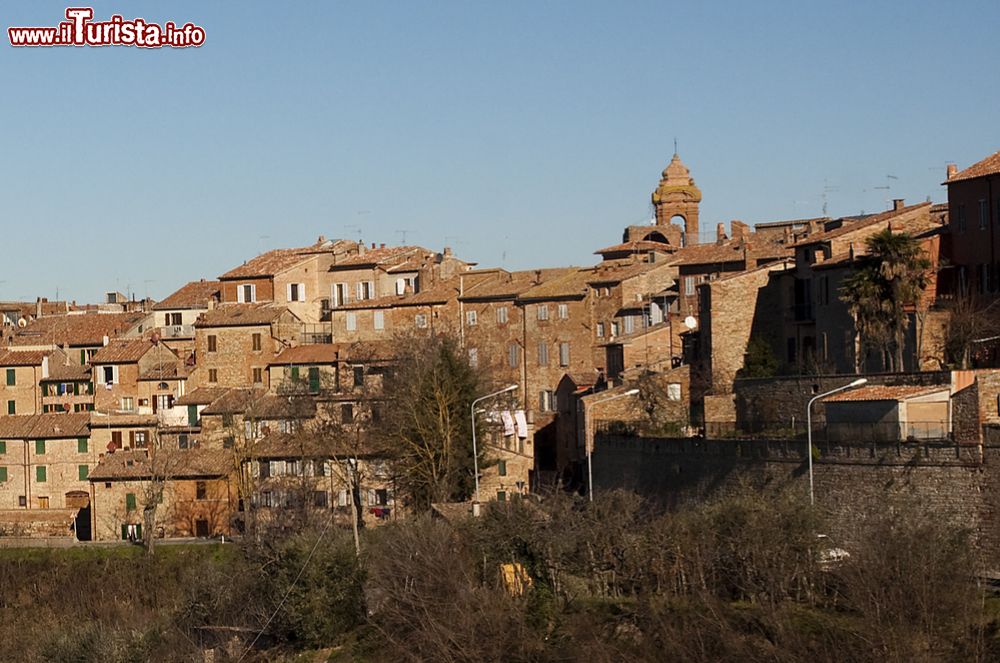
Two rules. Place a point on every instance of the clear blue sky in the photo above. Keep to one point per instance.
(523, 134)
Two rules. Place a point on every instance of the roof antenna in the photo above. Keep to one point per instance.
(402, 234)
(675, 145)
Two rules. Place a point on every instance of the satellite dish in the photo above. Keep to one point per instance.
(22, 322)
(690, 322)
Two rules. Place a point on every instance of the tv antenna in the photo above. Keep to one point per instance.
(827, 188)
(402, 235)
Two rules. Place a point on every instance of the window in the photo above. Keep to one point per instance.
(501, 496)
(984, 213)
(265, 469)
(3, 475)
(314, 379)
(246, 293)
(688, 285)
(296, 292)
(130, 501)
(22, 500)
(339, 294)
(501, 315)
(116, 439)
(213, 375)
(378, 320)
(542, 311)
(563, 311)
(546, 400)
(258, 375)
(359, 376)
(82, 445)
(471, 318)
(352, 321)
(629, 324)
(564, 354)
(200, 490)
(139, 439)
(11, 407)
(108, 375)
(961, 218)
(474, 357)
(3, 446)
(128, 403)
(674, 391)
(41, 474)
(320, 499)
(600, 330)
(39, 447)
(213, 343)
(182, 441)
(420, 321)
(543, 354)
(366, 290)
(43, 502)
(346, 413)
(11, 377)
(82, 472)
(228, 442)
(614, 329)
(502, 468)
(255, 344)
(513, 355)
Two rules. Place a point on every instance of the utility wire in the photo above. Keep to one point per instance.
(288, 593)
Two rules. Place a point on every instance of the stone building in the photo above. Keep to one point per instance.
(174, 317)
(123, 370)
(21, 375)
(235, 342)
(197, 498)
(974, 225)
(78, 335)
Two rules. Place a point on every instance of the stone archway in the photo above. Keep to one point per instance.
(80, 500)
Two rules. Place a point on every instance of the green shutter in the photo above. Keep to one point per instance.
(501, 496)
(39, 447)
(83, 357)
(314, 379)
(41, 476)
(3, 446)
(84, 472)
(295, 372)
(124, 531)
(82, 445)
(192, 415)
(138, 531)
(3, 474)
(130, 502)
(11, 377)
(11, 407)
(502, 468)
(76, 388)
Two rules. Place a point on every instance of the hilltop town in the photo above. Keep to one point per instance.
(676, 353)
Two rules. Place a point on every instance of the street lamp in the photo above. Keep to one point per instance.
(809, 428)
(475, 452)
(587, 442)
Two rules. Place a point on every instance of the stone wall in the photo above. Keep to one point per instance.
(959, 482)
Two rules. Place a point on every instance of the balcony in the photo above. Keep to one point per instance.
(177, 331)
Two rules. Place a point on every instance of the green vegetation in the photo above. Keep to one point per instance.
(743, 578)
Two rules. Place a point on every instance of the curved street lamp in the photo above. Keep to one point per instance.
(809, 428)
(589, 443)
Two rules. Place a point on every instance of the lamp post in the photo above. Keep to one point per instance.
(475, 452)
(809, 428)
(586, 437)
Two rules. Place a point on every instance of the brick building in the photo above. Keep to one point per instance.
(174, 317)
(974, 224)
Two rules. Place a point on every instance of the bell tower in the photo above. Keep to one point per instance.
(677, 195)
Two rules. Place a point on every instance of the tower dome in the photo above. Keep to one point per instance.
(677, 195)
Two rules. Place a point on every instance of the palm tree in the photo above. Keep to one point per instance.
(888, 279)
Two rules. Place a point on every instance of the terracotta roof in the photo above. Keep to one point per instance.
(379, 256)
(195, 294)
(63, 373)
(273, 407)
(104, 420)
(792, 222)
(571, 284)
(269, 264)
(508, 285)
(862, 223)
(988, 166)
(878, 392)
(616, 273)
(45, 426)
(202, 396)
(86, 329)
(21, 517)
(638, 246)
(165, 371)
(234, 401)
(709, 254)
(175, 464)
(440, 294)
(23, 358)
(240, 315)
(123, 351)
(327, 353)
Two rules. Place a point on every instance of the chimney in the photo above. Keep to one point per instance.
(739, 229)
(851, 251)
(382, 245)
(952, 170)
(105, 341)
(720, 233)
(897, 204)
(320, 239)
(787, 235)
(447, 252)
(373, 245)
(538, 276)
